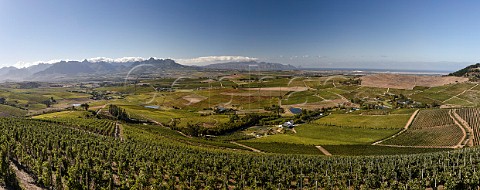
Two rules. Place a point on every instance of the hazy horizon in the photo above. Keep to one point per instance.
(416, 35)
(203, 61)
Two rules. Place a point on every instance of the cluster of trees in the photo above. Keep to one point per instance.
(309, 115)
(235, 123)
(351, 81)
(397, 101)
(275, 109)
(96, 95)
(49, 102)
(29, 85)
(118, 112)
(85, 106)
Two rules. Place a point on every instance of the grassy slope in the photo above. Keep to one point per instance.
(441, 93)
(365, 121)
(403, 111)
(62, 114)
(311, 134)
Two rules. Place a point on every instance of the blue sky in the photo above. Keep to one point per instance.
(436, 35)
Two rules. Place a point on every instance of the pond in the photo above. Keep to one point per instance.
(152, 107)
(295, 110)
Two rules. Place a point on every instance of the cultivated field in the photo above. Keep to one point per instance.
(431, 128)
(392, 121)
(471, 117)
(8, 111)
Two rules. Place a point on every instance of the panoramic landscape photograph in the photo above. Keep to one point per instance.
(239, 94)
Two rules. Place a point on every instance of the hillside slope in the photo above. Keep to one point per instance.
(408, 81)
(472, 72)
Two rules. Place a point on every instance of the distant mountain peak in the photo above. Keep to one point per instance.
(88, 67)
(68, 69)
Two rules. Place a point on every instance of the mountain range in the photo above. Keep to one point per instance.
(71, 69)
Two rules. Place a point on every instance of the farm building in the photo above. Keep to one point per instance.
(288, 124)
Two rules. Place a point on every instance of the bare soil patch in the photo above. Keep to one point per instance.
(26, 181)
(193, 98)
(237, 94)
(408, 81)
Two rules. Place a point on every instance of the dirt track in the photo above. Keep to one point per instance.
(467, 126)
(459, 144)
(26, 181)
(323, 150)
(409, 122)
(462, 123)
(456, 96)
(245, 146)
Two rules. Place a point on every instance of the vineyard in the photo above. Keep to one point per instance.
(98, 126)
(8, 111)
(63, 158)
(7, 175)
(439, 136)
(472, 118)
(184, 144)
(431, 128)
(425, 119)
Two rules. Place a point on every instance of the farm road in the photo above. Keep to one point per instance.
(456, 96)
(467, 126)
(409, 122)
(245, 146)
(26, 181)
(458, 121)
(323, 150)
